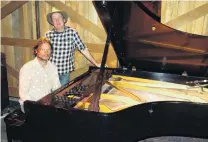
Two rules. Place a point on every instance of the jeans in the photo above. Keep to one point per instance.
(64, 78)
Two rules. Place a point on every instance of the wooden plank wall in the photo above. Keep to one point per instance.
(174, 9)
(6, 30)
(22, 24)
(19, 24)
(45, 8)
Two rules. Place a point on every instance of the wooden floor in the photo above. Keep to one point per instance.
(14, 104)
(3, 131)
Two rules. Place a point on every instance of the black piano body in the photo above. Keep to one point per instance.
(158, 53)
(48, 123)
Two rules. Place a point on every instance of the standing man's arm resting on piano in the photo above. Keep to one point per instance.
(89, 57)
(83, 49)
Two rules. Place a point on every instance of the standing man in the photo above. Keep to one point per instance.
(65, 40)
(38, 77)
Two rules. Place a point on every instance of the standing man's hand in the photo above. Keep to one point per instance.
(99, 65)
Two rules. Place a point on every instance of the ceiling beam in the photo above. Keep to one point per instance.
(74, 16)
(95, 48)
(13, 90)
(18, 42)
(188, 17)
(12, 71)
(10, 7)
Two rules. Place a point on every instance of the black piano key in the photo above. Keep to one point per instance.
(64, 101)
(77, 90)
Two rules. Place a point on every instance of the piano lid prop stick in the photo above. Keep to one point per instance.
(94, 105)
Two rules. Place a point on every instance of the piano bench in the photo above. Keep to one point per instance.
(15, 125)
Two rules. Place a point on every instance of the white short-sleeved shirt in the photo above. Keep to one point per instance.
(36, 82)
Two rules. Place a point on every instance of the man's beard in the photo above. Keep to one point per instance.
(42, 59)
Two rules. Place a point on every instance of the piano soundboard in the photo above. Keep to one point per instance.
(121, 92)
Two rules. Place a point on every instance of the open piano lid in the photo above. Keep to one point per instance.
(141, 41)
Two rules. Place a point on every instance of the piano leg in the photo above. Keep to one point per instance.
(9, 136)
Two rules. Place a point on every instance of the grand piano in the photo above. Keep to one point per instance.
(159, 88)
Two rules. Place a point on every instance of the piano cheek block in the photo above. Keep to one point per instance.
(45, 101)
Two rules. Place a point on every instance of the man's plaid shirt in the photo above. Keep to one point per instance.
(64, 44)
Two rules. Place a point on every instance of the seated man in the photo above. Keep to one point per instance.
(38, 77)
